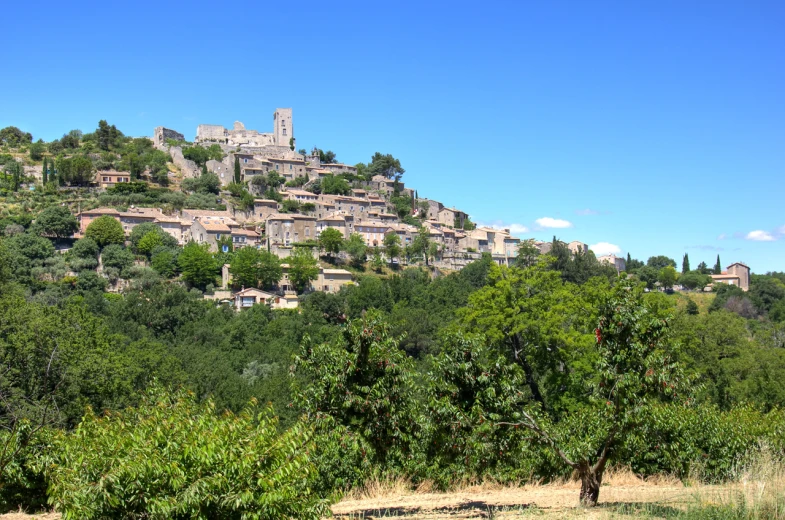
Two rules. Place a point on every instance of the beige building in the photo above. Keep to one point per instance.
(110, 179)
(578, 247)
(207, 230)
(288, 229)
(616, 261)
(263, 208)
(331, 280)
(87, 216)
(300, 196)
(340, 221)
(283, 132)
(737, 274)
(372, 232)
(129, 219)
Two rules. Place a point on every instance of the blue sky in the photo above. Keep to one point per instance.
(654, 127)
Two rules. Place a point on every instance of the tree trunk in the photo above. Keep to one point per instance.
(590, 485)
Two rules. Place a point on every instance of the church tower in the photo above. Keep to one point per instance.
(283, 128)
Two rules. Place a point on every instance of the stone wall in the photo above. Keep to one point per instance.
(161, 134)
(188, 168)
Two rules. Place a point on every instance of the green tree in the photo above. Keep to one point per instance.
(197, 265)
(55, 221)
(251, 267)
(149, 242)
(303, 268)
(667, 276)
(237, 173)
(118, 257)
(44, 171)
(527, 254)
(361, 381)
(422, 243)
(164, 261)
(658, 262)
(386, 165)
(718, 266)
(13, 137)
(331, 241)
(694, 280)
(582, 400)
(105, 230)
(334, 185)
(392, 246)
(703, 268)
(685, 264)
(16, 171)
(356, 248)
(141, 230)
(37, 150)
(172, 457)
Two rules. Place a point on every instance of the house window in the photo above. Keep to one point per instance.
(290, 166)
(307, 232)
(284, 131)
(245, 161)
(218, 236)
(276, 166)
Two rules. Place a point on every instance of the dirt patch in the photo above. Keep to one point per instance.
(560, 501)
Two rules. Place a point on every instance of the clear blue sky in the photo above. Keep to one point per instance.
(657, 127)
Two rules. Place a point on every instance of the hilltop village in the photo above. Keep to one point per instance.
(269, 196)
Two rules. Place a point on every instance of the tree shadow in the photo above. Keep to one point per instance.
(645, 509)
(478, 509)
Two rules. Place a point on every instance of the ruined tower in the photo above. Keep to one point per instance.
(283, 127)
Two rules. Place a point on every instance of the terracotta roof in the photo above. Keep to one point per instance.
(215, 226)
(245, 232)
(253, 290)
(169, 220)
(265, 201)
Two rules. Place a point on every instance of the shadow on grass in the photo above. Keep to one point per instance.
(477, 508)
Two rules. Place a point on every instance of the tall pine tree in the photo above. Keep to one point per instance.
(685, 263)
(43, 173)
(237, 169)
(718, 266)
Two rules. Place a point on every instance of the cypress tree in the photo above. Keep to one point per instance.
(237, 169)
(685, 263)
(629, 259)
(43, 173)
(718, 266)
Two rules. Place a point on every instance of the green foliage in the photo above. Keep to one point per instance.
(13, 137)
(164, 260)
(303, 268)
(252, 267)
(667, 276)
(24, 252)
(685, 264)
(201, 155)
(361, 381)
(290, 206)
(527, 254)
(207, 183)
(386, 165)
(197, 265)
(237, 171)
(37, 150)
(392, 246)
(77, 170)
(159, 238)
(658, 262)
(115, 255)
(335, 185)
(105, 230)
(331, 241)
(55, 221)
(174, 458)
(694, 280)
(356, 248)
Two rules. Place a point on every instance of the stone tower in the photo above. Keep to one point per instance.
(283, 127)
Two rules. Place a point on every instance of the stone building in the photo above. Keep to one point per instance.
(616, 261)
(287, 229)
(737, 274)
(109, 179)
(161, 134)
(281, 136)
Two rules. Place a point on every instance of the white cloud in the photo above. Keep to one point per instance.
(722, 236)
(548, 222)
(518, 228)
(587, 212)
(605, 248)
(760, 236)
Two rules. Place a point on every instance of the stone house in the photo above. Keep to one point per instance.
(180, 231)
(207, 230)
(283, 131)
(737, 274)
(288, 229)
(245, 238)
(249, 297)
(359, 193)
(288, 168)
(87, 216)
(263, 208)
(224, 171)
(129, 219)
(372, 232)
(300, 196)
(577, 247)
(331, 280)
(340, 221)
(405, 232)
(618, 262)
(452, 217)
(434, 207)
(336, 168)
(109, 179)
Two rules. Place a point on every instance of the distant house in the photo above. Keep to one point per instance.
(619, 263)
(737, 274)
(111, 178)
(251, 296)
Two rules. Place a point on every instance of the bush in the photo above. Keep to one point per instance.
(174, 458)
